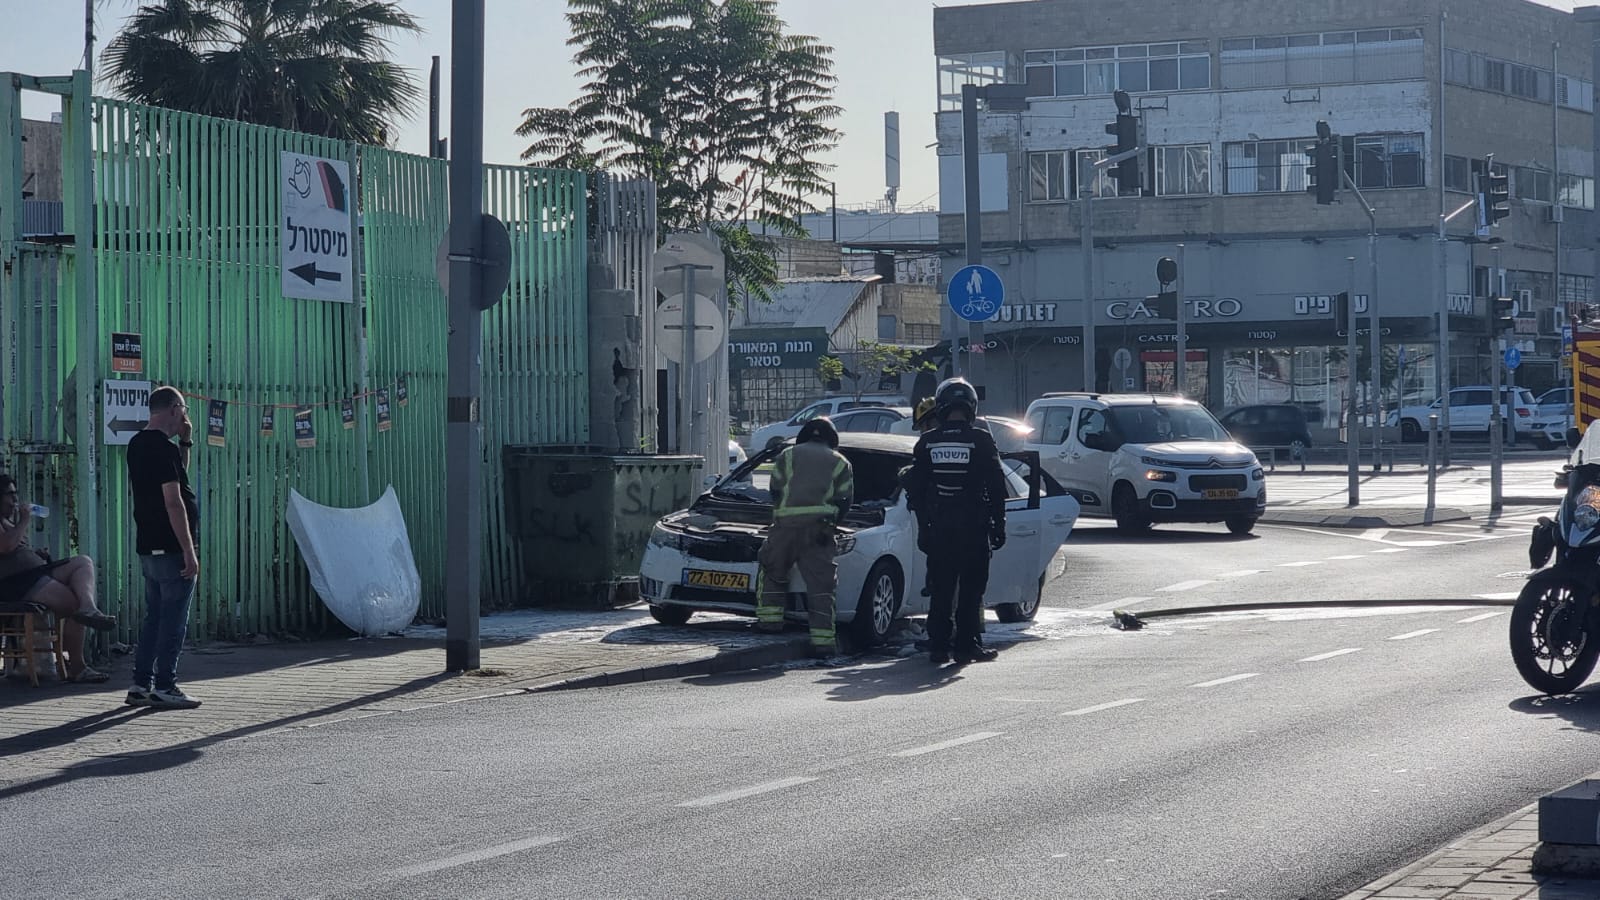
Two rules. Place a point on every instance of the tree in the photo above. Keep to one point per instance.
(710, 99)
(317, 66)
(874, 362)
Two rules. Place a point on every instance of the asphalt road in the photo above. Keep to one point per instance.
(1257, 756)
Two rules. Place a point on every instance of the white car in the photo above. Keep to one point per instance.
(736, 454)
(776, 433)
(1010, 435)
(704, 557)
(1470, 409)
(1147, 458)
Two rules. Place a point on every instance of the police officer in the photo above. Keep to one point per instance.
(958, 490)
(812, 489)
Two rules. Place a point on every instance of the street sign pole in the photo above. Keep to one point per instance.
(1497, 349)
(1352, 430)
(1182, 363)
(1086, 237)
(974, 224)
(463, 495)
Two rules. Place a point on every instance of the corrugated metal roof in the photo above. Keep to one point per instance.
(809, 303)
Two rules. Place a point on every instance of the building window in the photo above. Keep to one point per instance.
(1533, 184)
(1576, 191)
(1182, 169)
(1104, 184)
(1267, 167)
(968, 68)
(1458, 174)
(1575, 290)
(1336, 57)
(1047, 176)
(1135, 68)
(1384, 160)
(1530, 82)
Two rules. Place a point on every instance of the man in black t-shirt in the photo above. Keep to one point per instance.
(166, 521)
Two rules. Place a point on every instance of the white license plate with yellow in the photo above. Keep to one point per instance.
(717, 581)
(1222, 494)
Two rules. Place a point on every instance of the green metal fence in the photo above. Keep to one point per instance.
(186, 224)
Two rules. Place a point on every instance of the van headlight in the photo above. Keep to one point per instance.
(1159, 475)
(665, 538)
(1257, 475)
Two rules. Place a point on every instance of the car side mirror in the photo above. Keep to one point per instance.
(1573, 437)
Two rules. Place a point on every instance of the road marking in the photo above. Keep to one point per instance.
(1187, 585)
(1310, 562)
(751, 791)
(1479, 617)
(1022, 699)
(1411, 634)
(1506, 595)
(946, 745)
(1391, 550)
(1115, 604)
(1230, 678)
(1349, 556)
(1101, 707)
(1240, 574)
(472, 856)
(1322, 656)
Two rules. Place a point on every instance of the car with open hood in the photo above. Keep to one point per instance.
(704, 557)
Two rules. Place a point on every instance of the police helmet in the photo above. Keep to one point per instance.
(819, 429)
(953, 394)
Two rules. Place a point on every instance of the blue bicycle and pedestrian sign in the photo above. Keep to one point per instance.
(1513, 358)
(975, 293)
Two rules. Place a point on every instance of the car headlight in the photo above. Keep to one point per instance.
(1158, 475)
(1257, 475)
(1586, 517)
(665, 538)
(844, 543)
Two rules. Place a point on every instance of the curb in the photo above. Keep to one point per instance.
(1336, 517)
(722, 663)
(1460, 842)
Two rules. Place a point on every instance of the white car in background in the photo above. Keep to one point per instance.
(736, 454)
(778, 432)
(704, 557)
(1010, 435)
(1470, 411)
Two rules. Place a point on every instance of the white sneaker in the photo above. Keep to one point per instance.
(138, 696)
(172, 698)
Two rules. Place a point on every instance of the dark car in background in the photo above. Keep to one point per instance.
(1269, 425)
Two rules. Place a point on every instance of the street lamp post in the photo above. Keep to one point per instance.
(999, 97)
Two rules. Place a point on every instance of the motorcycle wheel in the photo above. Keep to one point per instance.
(1550, 639)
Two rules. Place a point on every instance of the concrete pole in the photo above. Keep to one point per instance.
(1086, 238)
(1497, 348)
(1441, 365)
(688, 440)
(433, 110)
(974, 223)
(463, 494)
(1375, 349)
(1182, 360)
(1351, 430)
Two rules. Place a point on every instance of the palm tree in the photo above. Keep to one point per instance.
(318, 66)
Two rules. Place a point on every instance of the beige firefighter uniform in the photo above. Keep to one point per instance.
(812, 488)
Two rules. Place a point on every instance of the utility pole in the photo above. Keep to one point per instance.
(1374, 349)
(463, 494)
(1181, 313)
(1086, 242)
(974, 225)
(1351, 431)
(1442, 367)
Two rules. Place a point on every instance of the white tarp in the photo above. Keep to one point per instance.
(360, 561)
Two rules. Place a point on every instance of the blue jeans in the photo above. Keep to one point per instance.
(166, 620)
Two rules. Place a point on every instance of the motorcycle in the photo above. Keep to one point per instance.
(1555, 624)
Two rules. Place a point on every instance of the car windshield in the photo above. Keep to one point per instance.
(877, 476)
(1156, 424)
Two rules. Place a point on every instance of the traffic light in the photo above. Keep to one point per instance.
(1494, 196)
(1502, 313)
(1322, 178)
(1126, 130)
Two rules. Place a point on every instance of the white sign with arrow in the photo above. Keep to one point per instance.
(316, 236)
(127, 410)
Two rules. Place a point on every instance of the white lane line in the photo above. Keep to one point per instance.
(1116, 604)
(1507, 595)
(1347, 555)
(1411, 634)
(1479, 617)
(1101, 707)
(953, 742)
(1022, 699)
(1187, 585)
(1291, 565)
(1322, 656)
(1230, 678)
(1240, 574)
(1391, 550)
(472, 856)
(751, 791)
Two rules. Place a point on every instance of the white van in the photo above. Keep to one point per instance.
(1147, 458)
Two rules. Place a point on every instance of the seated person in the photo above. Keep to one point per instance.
(65, 587)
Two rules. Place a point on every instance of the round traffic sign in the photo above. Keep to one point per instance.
(1513, 358)
(975, 293)
(709, 329)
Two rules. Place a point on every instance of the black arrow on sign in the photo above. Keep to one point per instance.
(118, 426)
(309, 273)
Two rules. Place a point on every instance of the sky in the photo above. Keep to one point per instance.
(883, 57)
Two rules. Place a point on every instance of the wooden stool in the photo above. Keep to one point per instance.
(23, 628)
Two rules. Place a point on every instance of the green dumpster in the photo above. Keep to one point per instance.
(581, 520)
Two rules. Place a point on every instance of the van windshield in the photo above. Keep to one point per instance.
(1158, 424)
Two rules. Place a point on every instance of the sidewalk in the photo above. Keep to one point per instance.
(54, 732)
(1319, 498)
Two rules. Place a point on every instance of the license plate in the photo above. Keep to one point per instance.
(1222, 494)
(720, 581)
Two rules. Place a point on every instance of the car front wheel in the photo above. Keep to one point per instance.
(1024, 611)
(1410, 432)
(879, 603)
(1241, 525)
(1125, 508)
(670, 615)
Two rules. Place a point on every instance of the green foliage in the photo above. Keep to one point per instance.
(713, 101)
(873, 361)
(317, 66)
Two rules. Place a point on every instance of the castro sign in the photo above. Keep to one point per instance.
(1195, 308)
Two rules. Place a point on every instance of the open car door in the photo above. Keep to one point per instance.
(1039, 516)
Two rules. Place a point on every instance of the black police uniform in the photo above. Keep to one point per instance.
(958, 491)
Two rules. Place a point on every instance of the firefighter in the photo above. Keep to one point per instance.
(958, 490)
(812, 488)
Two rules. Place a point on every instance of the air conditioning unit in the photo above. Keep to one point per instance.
(1550, 321)
(1557, 214)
